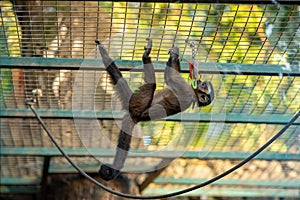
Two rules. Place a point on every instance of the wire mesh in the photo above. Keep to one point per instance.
(222, 33)
(254, 34)
(242, 94)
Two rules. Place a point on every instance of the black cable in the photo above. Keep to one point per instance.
(250, 157)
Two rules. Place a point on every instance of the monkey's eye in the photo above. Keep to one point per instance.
(203, 84)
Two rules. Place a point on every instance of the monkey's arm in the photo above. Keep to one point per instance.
(203, 94)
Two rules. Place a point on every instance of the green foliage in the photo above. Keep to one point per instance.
(9, 46)
(6, 85)
(9, 31)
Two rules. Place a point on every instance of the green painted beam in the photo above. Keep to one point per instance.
(183, 117)
(230, 182)
(264, 192)
(93, 64)
(79, 152)
(19, 181)
(22, 189)
(228, 192)
(24, 183)
(68, 168)
(170, 180)
(92, 168)
(284, 2)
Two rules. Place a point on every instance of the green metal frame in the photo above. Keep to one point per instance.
(263, 192)
(94, 64)
(233, 192)
(183, 117)
(78, 152)
(19, 189)
(35, 185)
(231, 182)
(285, 2)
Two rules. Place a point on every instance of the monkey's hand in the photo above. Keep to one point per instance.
(173, 61)
(147, 48)
(174, 52)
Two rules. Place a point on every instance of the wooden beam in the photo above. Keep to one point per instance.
(45, 175)
(153, 175)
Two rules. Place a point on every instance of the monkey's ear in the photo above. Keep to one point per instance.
(193, 104)
(211, 91)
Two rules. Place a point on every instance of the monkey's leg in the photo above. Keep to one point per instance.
(142, 98)
(121, 84)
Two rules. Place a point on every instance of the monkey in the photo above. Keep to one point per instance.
(146, 103)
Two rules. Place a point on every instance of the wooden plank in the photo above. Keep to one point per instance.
(151, 176)
(45, 175)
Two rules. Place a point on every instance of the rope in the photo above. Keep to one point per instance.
(214, 179)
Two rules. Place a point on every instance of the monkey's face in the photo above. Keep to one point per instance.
(204, 93)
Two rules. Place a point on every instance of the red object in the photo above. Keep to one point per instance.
(191, 70)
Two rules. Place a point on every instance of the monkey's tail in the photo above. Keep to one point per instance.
(108, 172)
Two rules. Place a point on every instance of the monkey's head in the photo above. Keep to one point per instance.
(204, 93)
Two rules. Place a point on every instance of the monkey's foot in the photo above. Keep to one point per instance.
(107, 172)
(101, 47)
(104, 54)
(148, 48)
